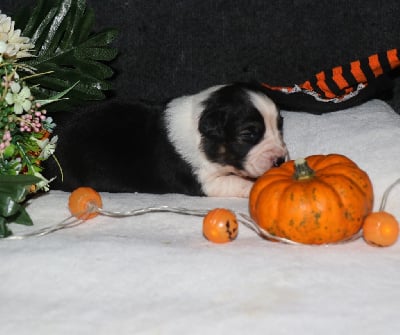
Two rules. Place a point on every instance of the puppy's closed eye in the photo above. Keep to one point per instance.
(251, 134)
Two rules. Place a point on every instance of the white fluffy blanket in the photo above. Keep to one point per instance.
(156, 274)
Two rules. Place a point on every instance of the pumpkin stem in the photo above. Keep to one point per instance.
(302, 170)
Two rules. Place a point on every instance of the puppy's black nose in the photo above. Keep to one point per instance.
(279, 161)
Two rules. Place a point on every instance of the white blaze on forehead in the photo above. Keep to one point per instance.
(267, 108)
(261, 157)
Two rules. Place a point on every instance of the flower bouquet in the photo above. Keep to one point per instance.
(34, 73)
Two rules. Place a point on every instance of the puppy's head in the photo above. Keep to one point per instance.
(241, 127)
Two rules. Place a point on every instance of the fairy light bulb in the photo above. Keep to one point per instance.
(84, 203)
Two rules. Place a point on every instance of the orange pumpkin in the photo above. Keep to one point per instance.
(322, 199)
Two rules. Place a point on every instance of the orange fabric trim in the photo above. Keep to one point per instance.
(375, 65)
(278, 88)
(324, 87)
(393, 58)
(320, 76)
(307, 86)
(355, 68)
(349, 90)
(338, 77)
(321, 83)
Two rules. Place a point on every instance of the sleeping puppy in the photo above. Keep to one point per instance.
(213, 143)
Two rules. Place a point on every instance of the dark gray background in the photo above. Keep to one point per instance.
(171, 48)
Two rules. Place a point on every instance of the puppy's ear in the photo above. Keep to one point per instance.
(212, 124)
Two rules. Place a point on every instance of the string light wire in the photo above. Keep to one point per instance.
(73, 221)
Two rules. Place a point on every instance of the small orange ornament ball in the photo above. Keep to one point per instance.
(380, 229)
(220, 225)
(83, 201)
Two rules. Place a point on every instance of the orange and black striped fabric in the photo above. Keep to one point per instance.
(345, 82)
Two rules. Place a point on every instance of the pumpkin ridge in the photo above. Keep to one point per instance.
(265, 215)
(350, 206)
(313, 215)
(314, 160)
(331, 160)
(264, 181)
(357, 177)
(338, 175)
(334, 167)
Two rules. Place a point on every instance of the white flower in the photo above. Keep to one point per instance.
(12, 44)
(20, 98)
(44, 183)
(47, 147)
(3, 47)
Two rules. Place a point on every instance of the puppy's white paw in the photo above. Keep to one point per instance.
(228, 186)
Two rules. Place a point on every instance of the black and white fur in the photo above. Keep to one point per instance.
(213, 143)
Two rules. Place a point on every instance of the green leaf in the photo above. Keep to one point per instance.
(54, 25)
(15, 187)
(56, 97)
(22, 217)
(4, 231)
(37, 14)
(8, 206)
(84, 27)
(82, 21)
(20, 180)
(104, 54)
(102, 71)
(13, 190)
(62, 31)
(101, 39)
(43, 25)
